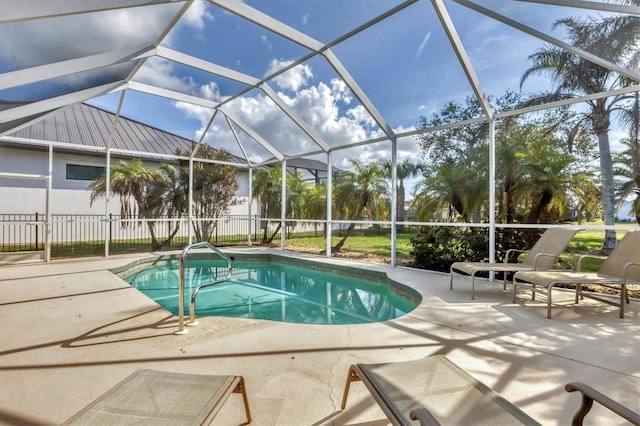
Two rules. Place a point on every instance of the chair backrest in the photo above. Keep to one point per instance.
(553, 242)
(627, 250)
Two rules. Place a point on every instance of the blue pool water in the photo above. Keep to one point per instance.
(276, 291)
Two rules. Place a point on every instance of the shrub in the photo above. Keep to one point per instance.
(436, 248)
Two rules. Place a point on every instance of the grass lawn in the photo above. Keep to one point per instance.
(379, 246)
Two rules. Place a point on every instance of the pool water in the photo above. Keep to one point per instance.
(276, 291)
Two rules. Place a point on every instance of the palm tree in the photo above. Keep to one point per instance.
(615, 39)
(266, 188)
(404, 170)
(168, 199)
(297, 193)
(626, 168)
(214, 188)
(361, 192)
(627, 163)
(315, 205)
(131, 182)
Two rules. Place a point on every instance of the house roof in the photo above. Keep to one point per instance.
(83, 127)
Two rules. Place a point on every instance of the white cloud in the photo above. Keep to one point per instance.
(210, 91)
(293, 79)
(197, 15)
(159, 72)
(340, 91)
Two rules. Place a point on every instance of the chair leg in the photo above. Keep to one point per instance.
(451, 279)
(549, 300)
(352, 376)
(623, 296)
(240, 388)
(473, 286)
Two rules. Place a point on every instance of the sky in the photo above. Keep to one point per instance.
(404, 65)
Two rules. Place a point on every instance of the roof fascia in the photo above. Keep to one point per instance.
(547, 38)
(26, 10)
(58, 69)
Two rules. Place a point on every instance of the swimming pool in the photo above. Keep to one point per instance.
(277, 291)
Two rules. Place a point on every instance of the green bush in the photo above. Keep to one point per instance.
(436, 248)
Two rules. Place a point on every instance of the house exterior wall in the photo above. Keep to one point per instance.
(20, 196)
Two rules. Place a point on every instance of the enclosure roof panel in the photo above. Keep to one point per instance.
(279, 79)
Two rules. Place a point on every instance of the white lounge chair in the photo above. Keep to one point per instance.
(162, 398)
(542, 256)
(620, 268)
(434, 391)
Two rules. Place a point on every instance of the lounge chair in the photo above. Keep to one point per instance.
(162, 398)
(589, 395)
(542, 256)
(433, 390)
(620, 268)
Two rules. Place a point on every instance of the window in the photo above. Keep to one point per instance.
(78, 172)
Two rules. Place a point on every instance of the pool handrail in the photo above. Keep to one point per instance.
(183, 255)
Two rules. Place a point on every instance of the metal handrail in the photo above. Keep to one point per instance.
(183, 255)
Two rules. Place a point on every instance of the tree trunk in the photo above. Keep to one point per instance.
(601, 129)
(346, 235)
(274, 233)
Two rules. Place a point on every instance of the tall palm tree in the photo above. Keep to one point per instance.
(626, 168)
(404, 170)
(131, 182)
(267, 188)
(615, 39)
(168, 199)
(315, 205)
(627, 163)
(361, 192)
(297, 192)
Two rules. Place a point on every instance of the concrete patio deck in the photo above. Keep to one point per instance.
(70, 330)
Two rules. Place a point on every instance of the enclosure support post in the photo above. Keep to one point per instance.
(394, 199)
(107, 195)
(47, 225)
(283, 206)
(329, 202)
(492, 190)
(249, 220)
(107, 216)
(190, 221)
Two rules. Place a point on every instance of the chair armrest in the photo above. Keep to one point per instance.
(587, 256)
(626, 268)
(423, 416)
(538, 256)
(507, 254)
(589, 395)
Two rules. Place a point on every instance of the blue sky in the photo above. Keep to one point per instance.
(404, 64)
